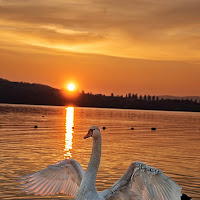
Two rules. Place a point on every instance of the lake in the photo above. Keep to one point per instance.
(174, 147)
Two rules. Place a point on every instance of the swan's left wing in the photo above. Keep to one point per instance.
(63, 177)
(143, 182)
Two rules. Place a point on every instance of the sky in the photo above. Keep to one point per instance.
(103, 46)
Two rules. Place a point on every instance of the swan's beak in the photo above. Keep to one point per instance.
(89, 134)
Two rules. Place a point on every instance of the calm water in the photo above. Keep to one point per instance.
(174, 147)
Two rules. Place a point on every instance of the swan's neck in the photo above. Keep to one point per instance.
(91, 172)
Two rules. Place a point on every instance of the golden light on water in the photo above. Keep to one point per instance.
(69, 130)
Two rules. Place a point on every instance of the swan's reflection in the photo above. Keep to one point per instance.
(69, 130)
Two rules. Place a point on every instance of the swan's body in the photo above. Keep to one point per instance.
(140, 181)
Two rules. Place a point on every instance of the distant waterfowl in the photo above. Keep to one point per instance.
(132, 128)
(35, 126)
(140, 181)
(104, 127)
(153, 129)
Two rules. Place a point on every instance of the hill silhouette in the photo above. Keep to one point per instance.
(38, 94)
(27, 93)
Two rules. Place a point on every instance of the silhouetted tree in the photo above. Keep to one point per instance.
(136, 96)
(149, 98)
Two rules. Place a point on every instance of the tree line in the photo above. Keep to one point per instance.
(38, 94)
(134, 101)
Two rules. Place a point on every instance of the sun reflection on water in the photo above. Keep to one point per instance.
(69, 130)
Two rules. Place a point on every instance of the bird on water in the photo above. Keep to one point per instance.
(139, 182)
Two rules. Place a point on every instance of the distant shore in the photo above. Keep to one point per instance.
(70, 105)
(37, 94)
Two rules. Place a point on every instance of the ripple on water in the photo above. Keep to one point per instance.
(174, 147)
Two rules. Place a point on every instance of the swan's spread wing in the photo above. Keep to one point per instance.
(63, 177)
(143, 182)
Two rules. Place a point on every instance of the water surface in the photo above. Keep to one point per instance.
(174, 147)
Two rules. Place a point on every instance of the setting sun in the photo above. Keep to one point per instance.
(71, 86)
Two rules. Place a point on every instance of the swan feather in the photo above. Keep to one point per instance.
(143, 182)
(62, 177)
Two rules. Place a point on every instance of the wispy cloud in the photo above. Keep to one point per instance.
(134, 28)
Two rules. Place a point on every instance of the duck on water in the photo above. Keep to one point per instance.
(139, 182)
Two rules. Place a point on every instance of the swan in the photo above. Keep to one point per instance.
(140, 181)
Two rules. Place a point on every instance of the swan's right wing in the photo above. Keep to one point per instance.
(143, 182)
(63, 177)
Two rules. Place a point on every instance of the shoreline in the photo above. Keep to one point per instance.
(70, 105)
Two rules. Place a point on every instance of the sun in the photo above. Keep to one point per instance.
(71, 87)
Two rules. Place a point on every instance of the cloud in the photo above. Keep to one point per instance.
(134, 28)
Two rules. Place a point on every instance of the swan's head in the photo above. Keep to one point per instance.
(94, 132)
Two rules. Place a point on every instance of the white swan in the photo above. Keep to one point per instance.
(140, 181)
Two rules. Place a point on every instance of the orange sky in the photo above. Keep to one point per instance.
(104, 46)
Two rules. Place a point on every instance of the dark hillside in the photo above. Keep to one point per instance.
(37, 94)
(27, 93)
